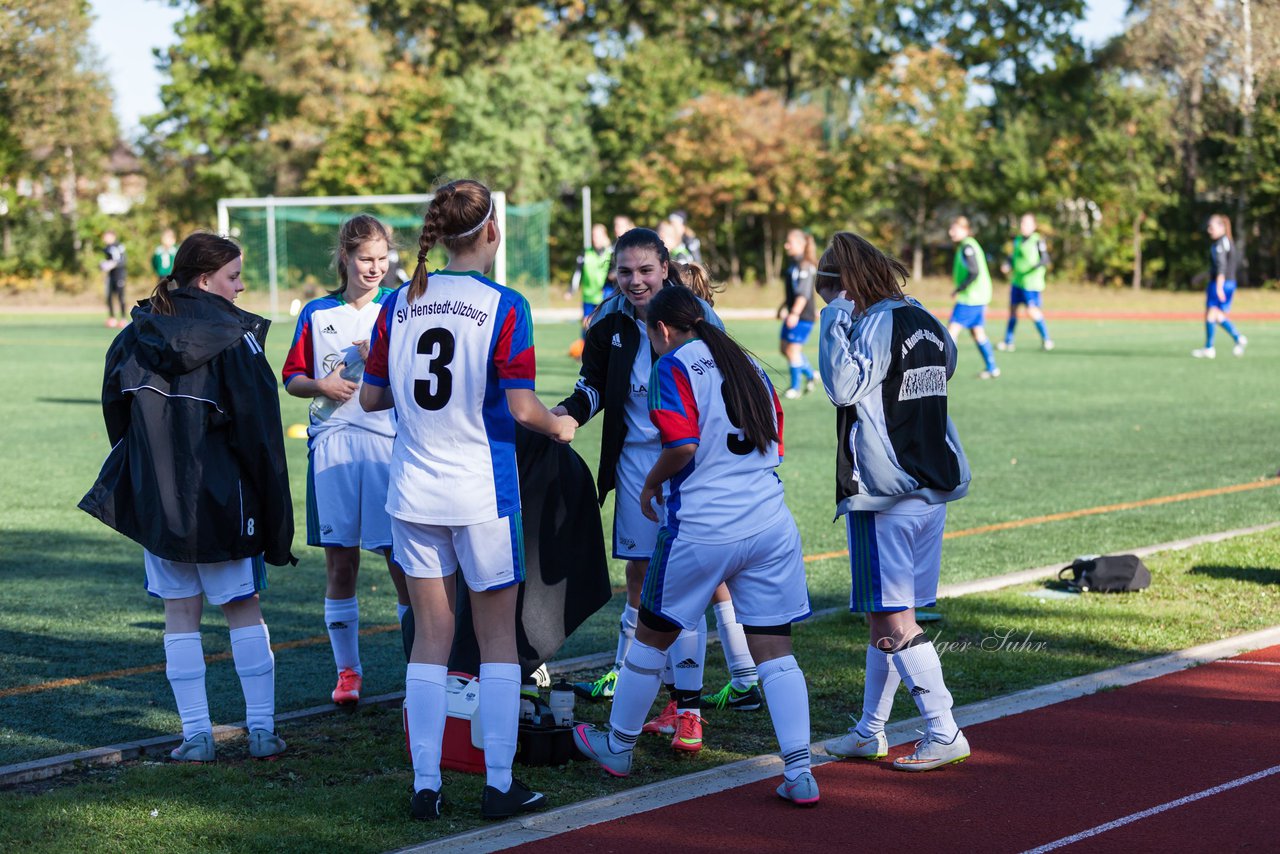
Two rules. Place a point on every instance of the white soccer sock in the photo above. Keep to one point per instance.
(401, 610)
(638, 684)
(785, 691)
(879, 686)
(425, 705)
(256, 667)
(688, 655)
(733, 641)
(184, 665)
(343, 617)
(921, 669)
(499, 720)
(626, 633)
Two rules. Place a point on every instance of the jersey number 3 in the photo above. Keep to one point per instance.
(737, 441)
(433, 392)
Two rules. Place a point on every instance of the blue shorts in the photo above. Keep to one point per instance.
(799, 333)
(1211, 295)
(1022, 296)
(969, 316)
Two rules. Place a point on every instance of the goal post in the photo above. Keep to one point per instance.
(289, 240)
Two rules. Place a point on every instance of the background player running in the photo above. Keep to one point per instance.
(1029, 264)
(726, 523)
(972, 293)
(453, 352)
(1224, 263)
(349, 449)
(885, 363)
(197, 476)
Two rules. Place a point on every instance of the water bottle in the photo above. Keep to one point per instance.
(562, 703)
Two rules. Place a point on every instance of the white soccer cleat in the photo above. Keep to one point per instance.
(855, 745)
(989, 375)
(802, 791)
(1238, 350)
(792, 393)
(1004, 346)
(1204, 353)
(1047, 344)
(931, 753)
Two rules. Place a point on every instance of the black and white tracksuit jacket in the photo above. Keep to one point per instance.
(886, 370)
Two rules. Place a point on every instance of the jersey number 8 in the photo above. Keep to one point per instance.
(438, 346)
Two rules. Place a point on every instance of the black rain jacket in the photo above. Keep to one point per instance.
(197, 467)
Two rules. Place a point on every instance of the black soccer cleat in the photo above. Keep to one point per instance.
(518, 799)
(426, 805)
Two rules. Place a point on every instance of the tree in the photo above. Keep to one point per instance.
(915, 142)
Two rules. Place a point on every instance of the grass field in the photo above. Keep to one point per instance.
(1118, 413)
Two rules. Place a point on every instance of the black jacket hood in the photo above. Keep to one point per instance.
(172, 344)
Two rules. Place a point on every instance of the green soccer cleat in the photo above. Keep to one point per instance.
(733, 698)
(601, 689)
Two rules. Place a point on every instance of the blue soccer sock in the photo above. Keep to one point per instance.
(1231, 330)
(1209, 331)
(987, 355)
(796, 372)
(806, 368)
(1042, 329)
(1008, 330)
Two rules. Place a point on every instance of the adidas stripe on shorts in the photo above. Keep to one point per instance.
(634, 534)
(764, 572)
(221, 582)
(895, 556)
(490, 554)
(347, 477)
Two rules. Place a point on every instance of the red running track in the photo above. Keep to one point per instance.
(1033, 780)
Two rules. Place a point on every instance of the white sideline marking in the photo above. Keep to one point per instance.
(1147, 813)
(1262, 663)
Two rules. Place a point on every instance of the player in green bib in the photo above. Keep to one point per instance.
(1028, 264)
(162, 257)
(972, 293)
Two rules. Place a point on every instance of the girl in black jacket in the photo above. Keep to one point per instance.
(196, 476)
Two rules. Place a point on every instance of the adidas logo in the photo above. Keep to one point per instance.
(617, 340)
(326, 529)
(329, 330)
(338, 625)
(919, 691)
(686, 664)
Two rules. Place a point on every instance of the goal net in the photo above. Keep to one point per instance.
(289, 241)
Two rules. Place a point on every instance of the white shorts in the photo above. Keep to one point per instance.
(895, 557)
(491, 554)
(222, 582)
(765, 574)
(347, 478)
(634, 534)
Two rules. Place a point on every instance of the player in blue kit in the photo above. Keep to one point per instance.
(453, 352)
(797, 311)
(885, 362)
(720, 424)
(1224, 263)
(349, 449)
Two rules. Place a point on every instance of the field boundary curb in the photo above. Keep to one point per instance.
(46, 768)
(660, 794)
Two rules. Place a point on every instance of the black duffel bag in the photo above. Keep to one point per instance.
(1107, 574)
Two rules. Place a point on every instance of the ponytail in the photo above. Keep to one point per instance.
(746, 395)
(458, 210)
(161, 302)
(201, 253)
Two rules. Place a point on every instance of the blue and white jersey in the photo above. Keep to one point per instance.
(449, 358)
(729, 490)
(325, 337)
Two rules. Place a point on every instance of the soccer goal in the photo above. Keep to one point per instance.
(289, 241)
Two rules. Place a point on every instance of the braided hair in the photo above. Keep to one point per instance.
(455, 217)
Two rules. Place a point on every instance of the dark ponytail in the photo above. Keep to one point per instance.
(200, 253)
(746, 395)
(458, 210)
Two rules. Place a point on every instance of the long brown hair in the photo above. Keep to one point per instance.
(695, 278)
(1225, 222)
(809, 258)
(354, 233)
(746, 396)
(455, 217)
(200, 253)
(865, 274)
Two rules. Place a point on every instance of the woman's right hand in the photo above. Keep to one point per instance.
(335, 387)
(565, 428)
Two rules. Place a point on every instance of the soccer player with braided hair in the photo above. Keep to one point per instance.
(452, 351)
(720, 425)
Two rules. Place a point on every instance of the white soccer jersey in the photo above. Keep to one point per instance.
(728, 491)
(640, 429)
(449, 359)
(325, 335)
